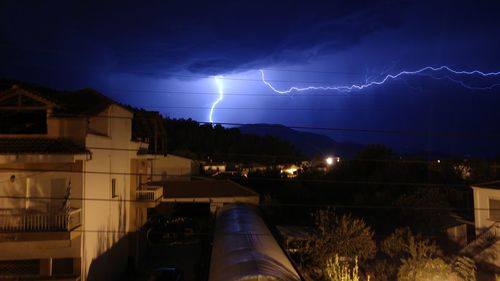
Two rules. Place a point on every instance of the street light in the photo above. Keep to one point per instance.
(329, 161)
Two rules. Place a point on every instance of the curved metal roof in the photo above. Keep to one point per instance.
(245, 249)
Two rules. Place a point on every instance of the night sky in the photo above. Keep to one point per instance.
(163, 55)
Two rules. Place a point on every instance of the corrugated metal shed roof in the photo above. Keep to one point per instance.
(245, 249)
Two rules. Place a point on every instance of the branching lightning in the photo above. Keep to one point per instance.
(423, 71)
(220, 89)
(446, 73)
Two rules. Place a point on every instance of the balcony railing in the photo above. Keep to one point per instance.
(18, 220)
(150, 193)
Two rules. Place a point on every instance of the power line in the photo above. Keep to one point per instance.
(176, 74)
(470, 134)
(242, 94)
(78, 52)
(299, 158)
(300, 180)
(197, 76)
(377, 131)
(288, 205)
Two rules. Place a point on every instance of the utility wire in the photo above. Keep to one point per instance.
(442, 133)
(293, 205)
(362, 182)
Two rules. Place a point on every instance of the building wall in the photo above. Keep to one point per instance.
(481, 206)
(105, 217)
(103, 248)
(42, 191)
(173, 166)
(71, 128)
(35, 189)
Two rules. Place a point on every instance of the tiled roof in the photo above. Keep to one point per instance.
(205, 189)
(490, 185)
(85, 102)
(39, 146)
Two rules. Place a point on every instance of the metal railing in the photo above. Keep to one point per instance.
(487, 237)
(19, 220)
(149, 193)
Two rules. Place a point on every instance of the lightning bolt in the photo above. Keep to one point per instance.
(220, 88)
(423, 71)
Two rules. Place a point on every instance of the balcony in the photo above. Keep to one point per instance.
(23, 221)
(149, 194)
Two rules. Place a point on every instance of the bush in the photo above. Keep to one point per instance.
(337, 271)
(341, 235)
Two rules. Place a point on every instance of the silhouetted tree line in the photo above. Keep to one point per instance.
(417, 193)
(189, 138)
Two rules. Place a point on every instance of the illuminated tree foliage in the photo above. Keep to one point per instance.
(426, 269)
(402, 243)
(336, 237)
(338, 271)
(343, 235)
(466, 268)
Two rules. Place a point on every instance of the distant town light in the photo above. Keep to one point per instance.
(329, 161)
(338, 159)
(439, 161)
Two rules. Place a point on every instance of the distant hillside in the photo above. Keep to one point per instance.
(310, 144)
(216, 143)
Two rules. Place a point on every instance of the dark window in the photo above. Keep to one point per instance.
(20, 268)
(62, 267)
(23, 122)
(113, 188)
(495, 209)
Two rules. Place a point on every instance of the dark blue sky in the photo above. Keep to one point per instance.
(161, 56)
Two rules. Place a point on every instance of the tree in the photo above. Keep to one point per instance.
(398, 246)
(338, 271)
(421, 263)
(427, 269)
(335, 235)
(402, 243)
(425, 208)
(465, 267)
(342, 235)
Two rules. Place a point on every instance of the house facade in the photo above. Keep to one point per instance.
(486, 206)
(485, 249)
(72, 185)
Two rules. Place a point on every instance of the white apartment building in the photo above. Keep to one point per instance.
(486, 248)
(72, 185)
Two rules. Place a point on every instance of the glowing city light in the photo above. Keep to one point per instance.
(329, 161)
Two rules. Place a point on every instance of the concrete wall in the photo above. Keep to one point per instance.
(71, 128)
(173, 166)
(107, 220)
(39, 185)
(481, 205)
(35, 189)
(105, 217)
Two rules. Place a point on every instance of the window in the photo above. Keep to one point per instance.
(62, 267)
(113, 188)
(19, 268)
(23, 122)
(495, 209)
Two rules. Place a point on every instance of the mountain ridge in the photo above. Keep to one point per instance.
(311, 144)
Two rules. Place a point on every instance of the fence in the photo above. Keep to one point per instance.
(151, 193)
(18, 220)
